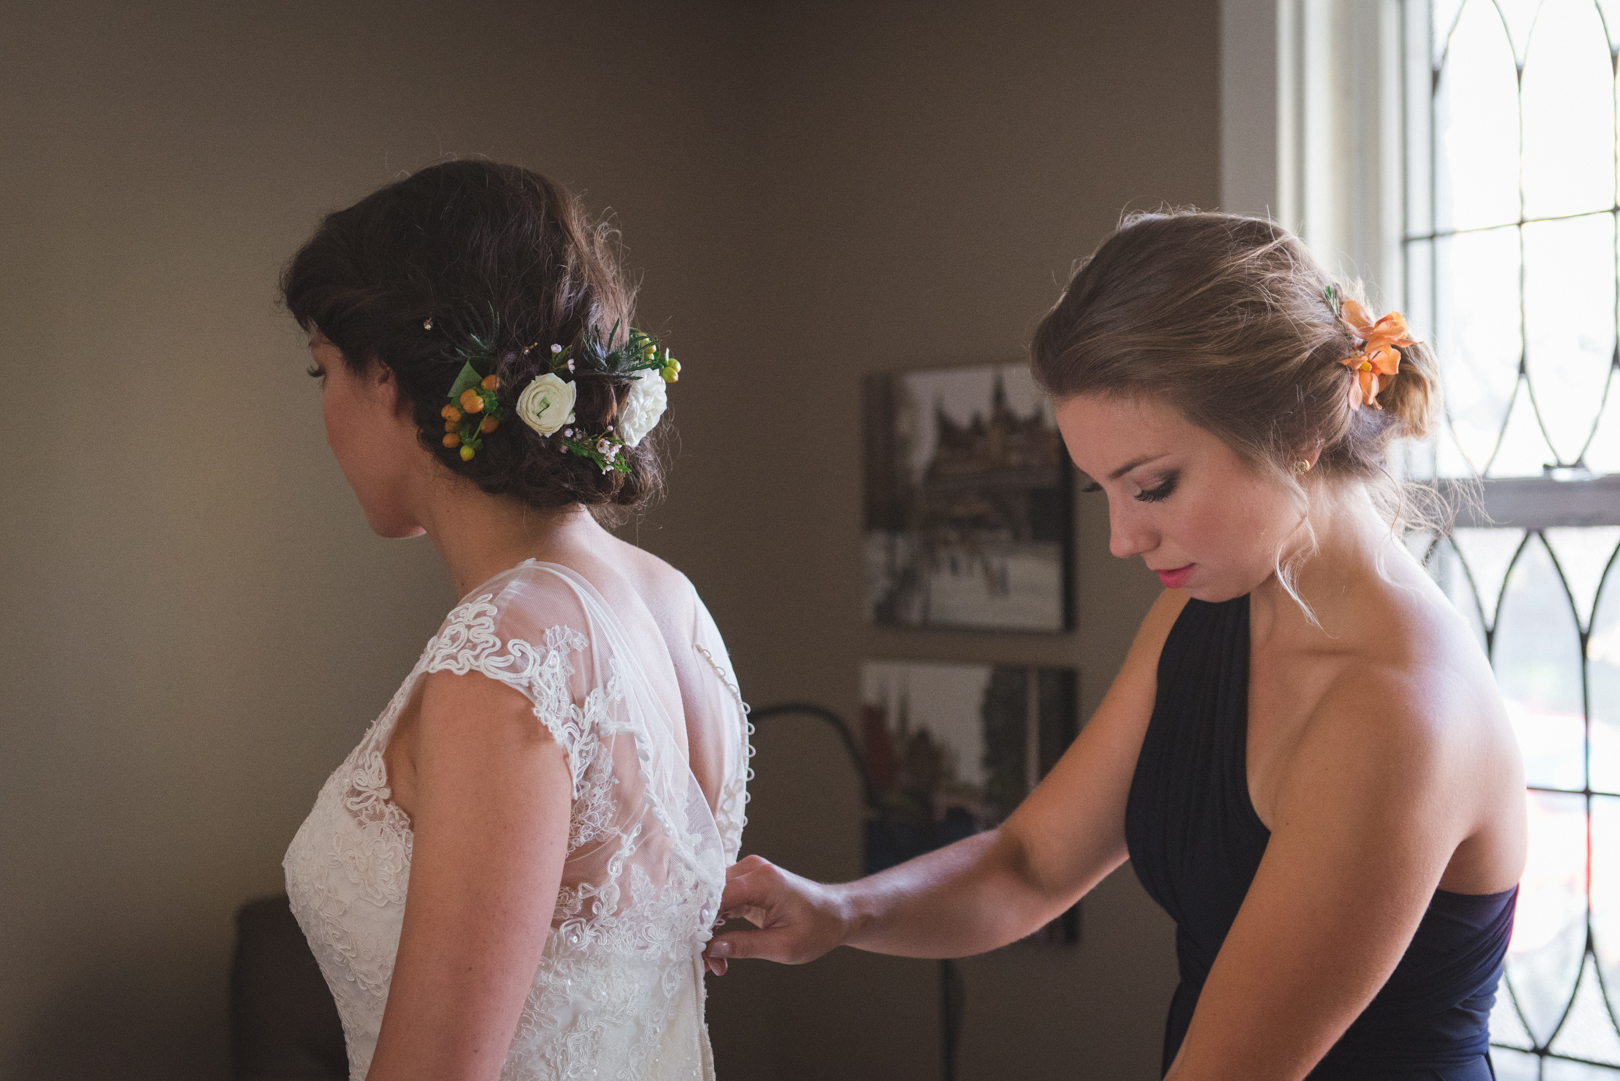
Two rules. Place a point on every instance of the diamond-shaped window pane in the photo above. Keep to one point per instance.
(1583, 555)
(1523, 450)
(1446, 567)
(1521, 17)
(1606, 895)
(1536, 652)
(1443, 16)
(1487, 554)
(1603, 452)
(1610, 10)
(1515, 1065)
(1567, 95)
(1549, 931)
(1603, 688)
(1478, 336)
(1558, 1069)
(1507, 1027)
(1588, 1032)
(1569, 304)
(1476, 124)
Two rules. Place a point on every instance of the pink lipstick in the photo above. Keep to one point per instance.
(1177, 578)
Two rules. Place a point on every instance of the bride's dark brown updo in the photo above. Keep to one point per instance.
(479, 248)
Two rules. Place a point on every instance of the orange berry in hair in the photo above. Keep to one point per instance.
(471, 402)
(488, 424)
(491, 382)
(450, 413)
(452, 440)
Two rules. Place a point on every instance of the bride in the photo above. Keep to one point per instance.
(514, 874)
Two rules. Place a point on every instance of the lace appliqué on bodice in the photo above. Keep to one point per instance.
(618, 993)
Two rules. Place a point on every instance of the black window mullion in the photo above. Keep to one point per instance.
(1533, 504)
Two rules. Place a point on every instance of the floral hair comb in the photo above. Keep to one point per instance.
(474, 411)
(1377, 360)
(546, 405)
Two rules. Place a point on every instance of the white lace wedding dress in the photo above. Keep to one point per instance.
(619, 991)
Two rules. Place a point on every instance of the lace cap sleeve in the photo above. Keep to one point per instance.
(528, 631)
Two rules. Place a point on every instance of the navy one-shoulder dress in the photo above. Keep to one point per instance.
(1196, 842)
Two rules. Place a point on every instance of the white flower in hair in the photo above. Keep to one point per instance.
(547, 404)
(642, 407)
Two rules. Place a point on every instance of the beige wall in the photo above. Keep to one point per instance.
(198, 625)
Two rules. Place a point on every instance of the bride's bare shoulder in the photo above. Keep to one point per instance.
(666, 592)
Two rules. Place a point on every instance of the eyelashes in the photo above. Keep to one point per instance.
(1162, 492)
(1146, 495)
(315, 371)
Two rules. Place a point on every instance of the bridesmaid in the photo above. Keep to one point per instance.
(1305, 756)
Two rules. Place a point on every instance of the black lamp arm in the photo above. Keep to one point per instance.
(856, 759)
(951, 991)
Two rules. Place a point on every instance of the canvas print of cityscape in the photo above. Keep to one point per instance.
(952, 749)
(969, 505)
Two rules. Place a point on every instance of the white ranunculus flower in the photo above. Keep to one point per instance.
(645, 404)
(546, 404)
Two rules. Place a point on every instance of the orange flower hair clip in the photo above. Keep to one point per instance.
(1378, 359)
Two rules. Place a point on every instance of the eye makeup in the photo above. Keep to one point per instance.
(1147, 495)
(1162, 491)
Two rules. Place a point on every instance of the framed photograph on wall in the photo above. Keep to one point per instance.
(969, 505)
(952, 749)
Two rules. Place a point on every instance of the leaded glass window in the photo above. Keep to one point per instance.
(1511, 263)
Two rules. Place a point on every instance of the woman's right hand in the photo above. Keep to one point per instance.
(795, 920)
(983, 891)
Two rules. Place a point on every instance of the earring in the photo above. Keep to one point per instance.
(1302, 465)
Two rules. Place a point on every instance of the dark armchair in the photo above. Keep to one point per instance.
(284, 1026)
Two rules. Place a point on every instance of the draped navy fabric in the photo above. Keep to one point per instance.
(1196, 843)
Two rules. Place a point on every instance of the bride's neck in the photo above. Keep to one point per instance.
(479, 535)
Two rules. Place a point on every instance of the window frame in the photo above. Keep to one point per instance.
(1314, 133)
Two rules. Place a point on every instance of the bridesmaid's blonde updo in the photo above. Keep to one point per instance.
(1228, 320)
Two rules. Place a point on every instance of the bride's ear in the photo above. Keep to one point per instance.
(385, 384)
